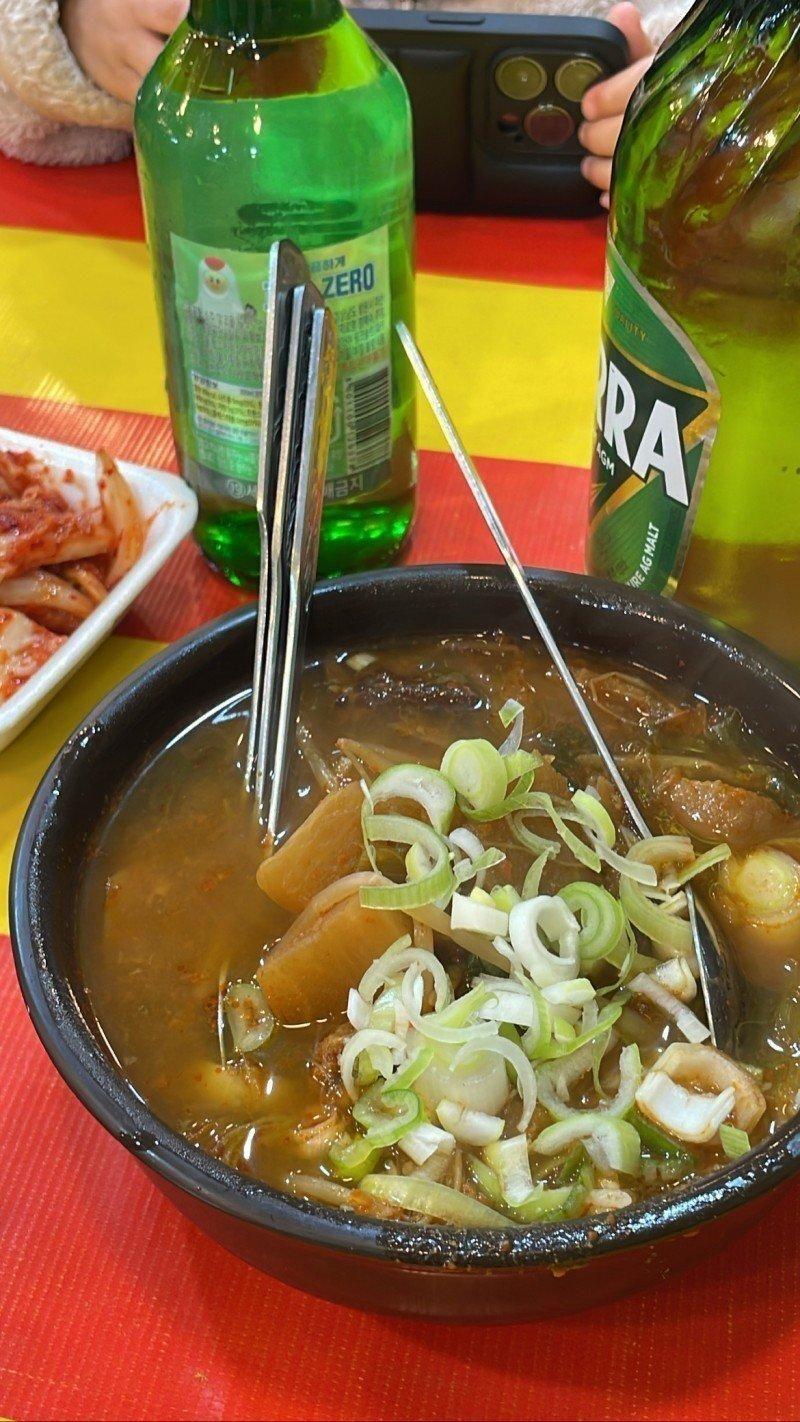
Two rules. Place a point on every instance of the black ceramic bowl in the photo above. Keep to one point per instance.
(459, 1274)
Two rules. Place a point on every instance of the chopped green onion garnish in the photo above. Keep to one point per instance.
(734, 1141)
(413, 1069)
(601, 917)
(596, 817)
(612, 1143)
(477, 772)
(427, 1197)
(504, 897)
(571, 1166)
(516, 800)
(510, 1163)
(607, 1018)
(661, 927)
(544, 1205)
(353, 1157)
(705, 861)
(387, 1114)
(509, 711)
(485, 1179)
(419, 783)
(521, 763)
(657, 1142)
(248, 1015)
(533, 878)
(537, 801)
(399, 829)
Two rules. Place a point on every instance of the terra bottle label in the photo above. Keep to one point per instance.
(219, 296)
(657, 414)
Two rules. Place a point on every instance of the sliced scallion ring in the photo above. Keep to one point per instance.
(533, 878)
(452, 1026)
(419, 783)
(400, 956)
(470, 1127)
(387, 1115)
(477, 772)
(536, 843)
(407, 1075)
(399, 829)
(485, 1179)
(476, 868)
(510, 1163)
(249, 1018)
(505, 896)
(526, 1080)
(538, 1037)
(734, 1141)
(596, 817)
(544, 1206)
(364, 1042)
(475, 916)
(601, 917)
(515, 800)
(606, 1020)
(512, 716)
(665, 931)
(718, 855)
(521, 762)
(428, 1197)
(613, 1144)
(510, 711)
(425, 1140)
(542, 804)
(550, 916)
(353, 1157)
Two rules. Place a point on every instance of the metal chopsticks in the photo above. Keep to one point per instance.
(718, 982)
(297, 408)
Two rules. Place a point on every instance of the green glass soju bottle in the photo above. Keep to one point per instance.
(696, 471)
(265, 119)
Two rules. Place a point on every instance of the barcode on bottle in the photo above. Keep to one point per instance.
(368, 419)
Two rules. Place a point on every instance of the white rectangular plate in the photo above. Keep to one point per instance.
(170, 508)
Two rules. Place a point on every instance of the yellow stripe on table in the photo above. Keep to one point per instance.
(516, 364)
(23, 763)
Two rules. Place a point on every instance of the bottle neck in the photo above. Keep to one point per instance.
(263, 19)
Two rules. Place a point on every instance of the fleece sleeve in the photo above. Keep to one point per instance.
(50, 111)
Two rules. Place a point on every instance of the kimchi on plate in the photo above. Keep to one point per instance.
(61, 551)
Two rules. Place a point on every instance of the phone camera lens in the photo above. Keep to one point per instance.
(575, 76)
(520, 77)
(548, 125)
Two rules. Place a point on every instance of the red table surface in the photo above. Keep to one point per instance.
(112, 1305)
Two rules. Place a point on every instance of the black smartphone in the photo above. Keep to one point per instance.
(496, 104)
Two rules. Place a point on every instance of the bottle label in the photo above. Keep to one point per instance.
(220, 303)
(657, 414)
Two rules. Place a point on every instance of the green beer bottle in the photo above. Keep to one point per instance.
(696, 461)
(265, 119)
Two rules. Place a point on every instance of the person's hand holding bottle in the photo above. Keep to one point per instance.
(117, 41)
(604, 104)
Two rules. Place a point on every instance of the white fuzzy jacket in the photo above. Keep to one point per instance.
(51, 112)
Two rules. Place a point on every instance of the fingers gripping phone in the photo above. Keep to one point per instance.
(496, 104)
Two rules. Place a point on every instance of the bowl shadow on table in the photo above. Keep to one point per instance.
(685, 1325)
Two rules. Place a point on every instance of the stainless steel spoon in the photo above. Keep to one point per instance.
(717, 977)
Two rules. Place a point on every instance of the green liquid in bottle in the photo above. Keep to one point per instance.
(702, 325)
(265, 119)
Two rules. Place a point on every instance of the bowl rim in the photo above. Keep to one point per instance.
(91, 1076)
